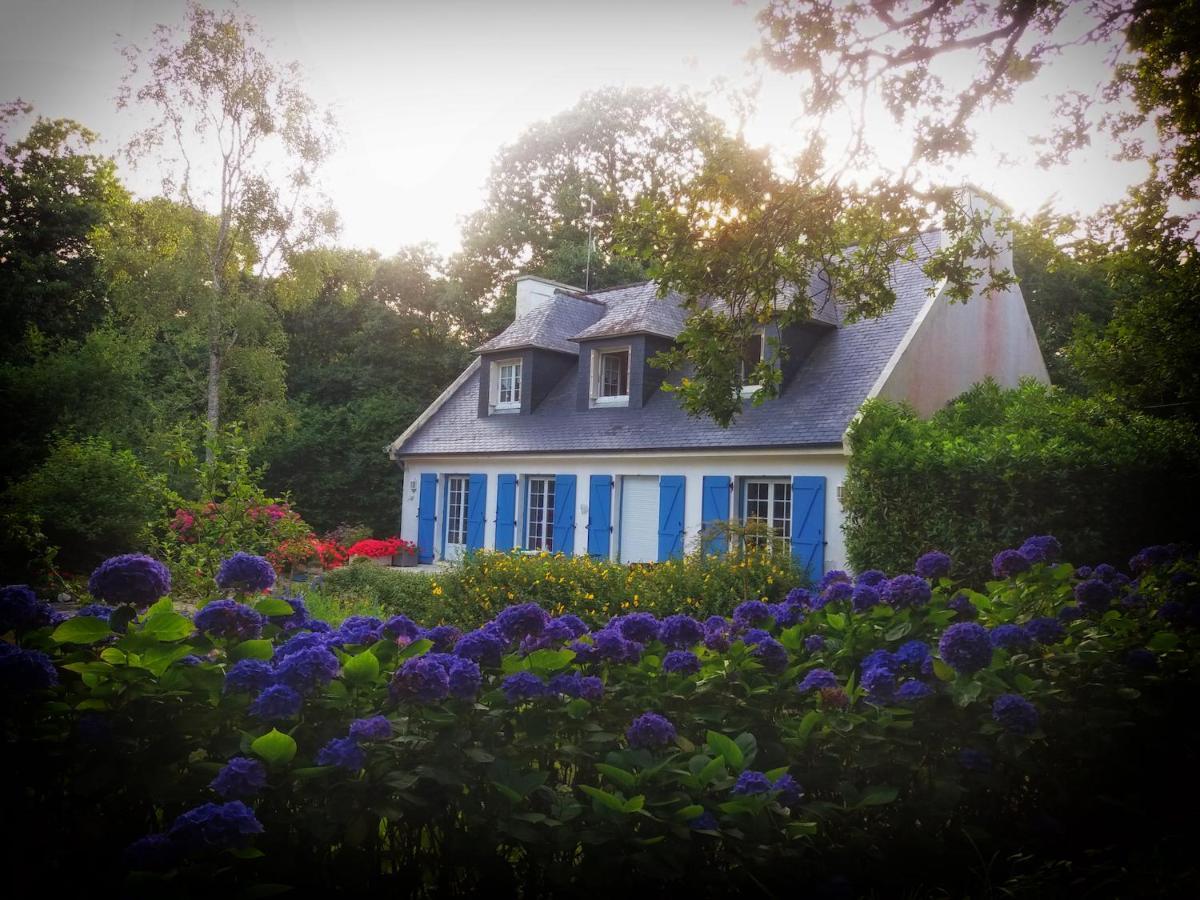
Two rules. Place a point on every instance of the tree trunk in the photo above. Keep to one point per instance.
(213, 412)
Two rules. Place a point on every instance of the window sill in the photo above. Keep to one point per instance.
(602, 402)
(749, 390)
(506, 410)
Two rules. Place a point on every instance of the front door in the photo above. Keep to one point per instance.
(638, 540)
(456, 516)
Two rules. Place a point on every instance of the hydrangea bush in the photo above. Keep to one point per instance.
(868, 734)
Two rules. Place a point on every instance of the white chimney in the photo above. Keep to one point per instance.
(997, 242)
(534, 291)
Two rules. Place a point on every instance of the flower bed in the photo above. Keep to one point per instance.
(847, 737)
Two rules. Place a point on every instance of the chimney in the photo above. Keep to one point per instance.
(997, 232)
(534, 291)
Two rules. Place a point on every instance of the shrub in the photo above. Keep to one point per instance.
(997, 465)
(363, 582)
(864, 764)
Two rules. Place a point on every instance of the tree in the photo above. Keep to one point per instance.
(54, 192)
(573, 177)
(248, 140)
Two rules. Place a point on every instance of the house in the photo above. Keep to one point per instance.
(557, 437)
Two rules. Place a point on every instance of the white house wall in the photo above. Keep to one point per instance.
(832, 465)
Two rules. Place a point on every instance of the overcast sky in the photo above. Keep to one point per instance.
(426, 91)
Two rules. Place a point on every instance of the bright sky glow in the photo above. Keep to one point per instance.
(426, 92)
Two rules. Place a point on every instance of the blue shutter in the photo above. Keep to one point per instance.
(599, 525)
(506, 511)
(476, 504)
(426, 513)
(714, 508)
(670, 516)
(563, 534)
(808, 524)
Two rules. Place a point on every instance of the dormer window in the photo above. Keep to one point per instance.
(752, 355)
(506, 385)
(610, 377)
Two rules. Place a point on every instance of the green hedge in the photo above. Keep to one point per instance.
(998, 465)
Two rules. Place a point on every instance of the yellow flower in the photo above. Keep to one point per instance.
(437, 590)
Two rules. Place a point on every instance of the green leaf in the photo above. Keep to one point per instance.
(837, 621)
(113, 655)
(714, 768)
(167, 626)
(1163, 641)
(633, 804)
(274, 606)
(879, 796)
(808, 723)
(942, 671)
(604, 798)
(897, 631)
(689, 812)
(416, 648)
(252, 650)
(727, 749)
(801, 829)
(121, 617)
(578, 708)
(163, 605)
(547, 661)
(361, 669)
(620, 776)
(81, 630)
(274, 747)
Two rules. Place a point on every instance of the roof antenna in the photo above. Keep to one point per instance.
(587, 272)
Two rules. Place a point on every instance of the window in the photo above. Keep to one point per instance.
(752, 354)
(539, 515)
(456, 510)
(768, 505)
(610, 378)
(506, 384)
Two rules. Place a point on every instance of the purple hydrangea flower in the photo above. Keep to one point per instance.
(1093, 595)
(965, 609)
(912, 691)
(833, 576)
(465, 678)
(680, 632)
(750, 783)
(18, 608)
(1149, 557)
(966, 647)
(444, 637)
(871, 578)
(717, 634)
(422, 679)
(22, 671)
(640, 627)
(787, 614)
(248, 676)
(974, 760)
(1015, 714)
(307, 669)
(835, 593)
(1083, 572)
(299, 619)
(1045, 630)
(912, 654)
(1070, 614)
(523, 686)
(933, 565)
(865, 596)
(240, 778)
(152, 853)
(814, 642)
(564, 628)
(772, 654)
(797, 596)
(877, 658)
(576, 684)
(879, 683)
(650, 731)
(905, 591)
(230, 620)
(96, 610)
(520, 621)
(817, 679)
(612, 647)
(375, 728)
(484, 647)
(751, 614)
(706, 821)
(1008, 563)
(247, 573)
(789, 790)
(215, 826)
(133, 578)
(1010, 637)
(344, 753)
(359, 630)
(681, 662)
(401, 629)
(1105, 572)
(276, 703)
(303, 641)
(1042, 548)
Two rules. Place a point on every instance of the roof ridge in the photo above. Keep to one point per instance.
(621, 287)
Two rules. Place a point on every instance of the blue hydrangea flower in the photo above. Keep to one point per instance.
(912, 691)
(814, 643)
(444, 637)
(871, 578)
(422, 679)
(576, 684)
(303, 641)
(966, 610)
(877, 658)
(230, 620)
(966, 647)
(835, 593)
(299, 619)
(1010, 637)
(375, 728)
(751, 614)
(905, 591)
(787, 614)
(1008, 563)
(240, 778)
(520, 621)
(650, 731)
(680, 632)
(1083, 572)
(797, 596)
(401, 629)
(215, 826)
(1093, 595)
(308, 669)
(974, 760)
(788, 788)
(484, 647)
(1070, 614)
(717, 634)
(96, 610)
(247, 573)
(912, 655)
(750, 783)
(706, 821)
(360, 630)
(772, 654)
(681, 662)
(152, 853)
(276, 703)
(865, 596)
(248, 676)
(833, 576)
(1015, 714)
(1045, 630)
(1149, 557)
(344, 753)
(133, 578)
(933, 565)
(879, 683)
(18, 607)
(464, 677)
(639, 627)
(523, 686)
(22, 671)
(612, 647)
(1042, 548)
(816, 679)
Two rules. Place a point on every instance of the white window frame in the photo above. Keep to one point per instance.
(513, 403)
(539, 530)
(597, 380)
(775, 488)
(749, 389)
(459, 485)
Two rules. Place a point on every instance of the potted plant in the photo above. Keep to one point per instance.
(379, 552)
(406, 554)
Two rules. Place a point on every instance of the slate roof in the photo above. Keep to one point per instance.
(813, 409)
(637, 309)
(549, 326)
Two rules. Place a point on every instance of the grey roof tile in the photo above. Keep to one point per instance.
(813, 409)
(549, 326)
(637, 309)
